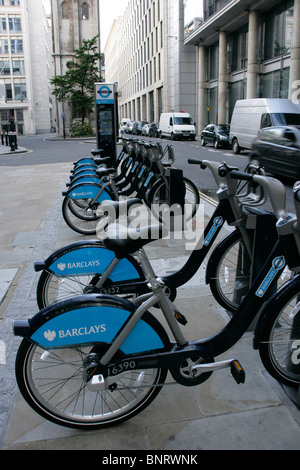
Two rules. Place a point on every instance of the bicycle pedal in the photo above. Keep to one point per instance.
(237, 372)
(180, 318)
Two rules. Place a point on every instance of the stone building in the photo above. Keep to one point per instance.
(73, 21)
(25, 66)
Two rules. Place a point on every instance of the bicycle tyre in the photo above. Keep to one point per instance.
(279, 345)
(87, 226)
(222, 267)
(52, 384)
(156, 197)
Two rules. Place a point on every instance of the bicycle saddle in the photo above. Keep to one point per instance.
(124, 240)
(105, 171)
(97, 152)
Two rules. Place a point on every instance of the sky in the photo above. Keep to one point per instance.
(109, 10)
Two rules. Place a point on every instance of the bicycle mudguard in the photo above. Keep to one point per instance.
(87, 191)
(82, 258)
(88, 320)
(88, 178)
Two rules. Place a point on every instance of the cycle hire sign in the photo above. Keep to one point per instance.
(105, 93)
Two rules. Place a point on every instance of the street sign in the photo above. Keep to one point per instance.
(105, 93)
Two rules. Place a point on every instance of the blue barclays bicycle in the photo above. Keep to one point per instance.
(97, 360)
(143, 175)
(87, 267)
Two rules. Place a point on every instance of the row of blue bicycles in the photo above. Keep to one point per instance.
(96, 353)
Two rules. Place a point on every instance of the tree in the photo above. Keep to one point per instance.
(77, 85)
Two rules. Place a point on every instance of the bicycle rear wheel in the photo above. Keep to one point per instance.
(279, 345)
(54, 384)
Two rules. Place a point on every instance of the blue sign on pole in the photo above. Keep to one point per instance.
(105, 94)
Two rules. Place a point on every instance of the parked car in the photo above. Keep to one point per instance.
(154, 130)
(216, 134)
(277, 149)
(145, 129)
(137, 127)
(128, 127)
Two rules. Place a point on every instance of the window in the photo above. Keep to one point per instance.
(3, 27)
(15, 24)
(18, 67)
(4, 67)
(266, 121)
(4, 46)
(85, 11)
(8, 92)
(20, 91)
(278, 24)
(238, 50)
(16, 46)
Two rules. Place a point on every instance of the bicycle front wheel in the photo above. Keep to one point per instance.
(53, 384)
(279, 345)
(159, 195)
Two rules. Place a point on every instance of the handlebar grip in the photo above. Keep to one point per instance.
(193, 161)
(240, 175)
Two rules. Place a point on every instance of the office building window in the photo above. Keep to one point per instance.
(3, 27)
(20, 91)
(278, 26)
(4, 67)
(15, 24)
(8, 92)
(212, 58)
(4, 46)
(238, 50)
(16, 46)
(18, 67)
(276, 84)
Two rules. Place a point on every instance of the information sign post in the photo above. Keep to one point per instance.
(107, 118)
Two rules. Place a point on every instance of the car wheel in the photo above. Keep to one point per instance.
(203, 143)
(235, 147)
(216, 144)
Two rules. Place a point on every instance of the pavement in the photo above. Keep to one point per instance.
(217, 415)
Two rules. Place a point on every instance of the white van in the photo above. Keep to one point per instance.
(177, 126)
(123, 125)
(249, 116)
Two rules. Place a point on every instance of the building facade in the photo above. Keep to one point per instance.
(153, 66)
(244, 49)
(73, 21)
(200, 56)
(25, 66)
